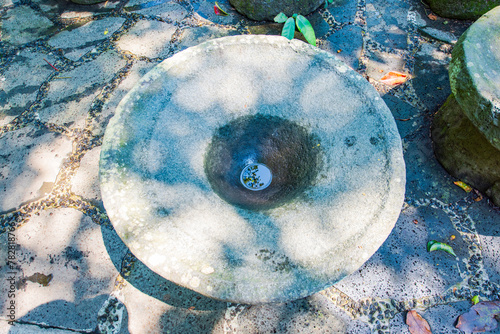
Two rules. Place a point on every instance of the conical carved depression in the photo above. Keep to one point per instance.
(260, 162)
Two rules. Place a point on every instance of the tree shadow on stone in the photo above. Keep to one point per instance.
(149, 282)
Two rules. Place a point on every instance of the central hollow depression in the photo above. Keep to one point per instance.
(290, 153)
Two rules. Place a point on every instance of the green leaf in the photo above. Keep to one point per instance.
(288, 28)
(219, 11)
(475, 299)
(306, 29)
(436, 245)
(280, 18)
(429, 244)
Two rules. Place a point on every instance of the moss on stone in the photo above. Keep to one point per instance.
(462, 150)
(462, 9)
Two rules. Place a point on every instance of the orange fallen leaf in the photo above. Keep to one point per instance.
(432, 16)
(417, 324)
(393, 78)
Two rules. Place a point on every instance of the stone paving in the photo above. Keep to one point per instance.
(63, 70)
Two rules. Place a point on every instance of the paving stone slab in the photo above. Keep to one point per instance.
(484, 217)
(387, 22)
(69, 100)
(69, 277)
(22, 25)
(30, 329)
(431, 81)
(347, 44)
(168, 10)
(146, 314)
(441, 318)
(344, 11)
(29, 163)
(197, 35)
(303, 256)
(148, 39)
(77, 41)
(86, 181)
(474, 78)
(313, 314)
(99, 123)
(414, 272)
(17, 92)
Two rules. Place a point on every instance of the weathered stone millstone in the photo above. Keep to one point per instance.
(468, 145)
(266, 10)
(462, 9)
(157, 182)
(464, 151)
(475, 74)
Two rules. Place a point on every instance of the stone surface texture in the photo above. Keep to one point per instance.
(266, 10)
(462, 9)
(154, 147)
(466, 131)
(371, 36)
(463, 150)
(474, 74)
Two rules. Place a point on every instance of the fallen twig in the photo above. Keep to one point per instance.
(51, 64)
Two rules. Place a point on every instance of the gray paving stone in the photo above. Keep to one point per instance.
(75, 273)
(5, 3)
(29, 163)
(413, 272)
(441, 318)
(139, 69)
(17, 92)
(431, 81)
(440, 35)
(86, 181)
(194, 36)
(69, 100)
(387, 22)
(147, 314)
(486, 221)
(344, 11)
(168, 10)
(30, 329)
(76, 42)
(378, 63)
(406, 117)
(148, 39)
(311, 252)
(347, 44)
(315, 314)
(22, 25)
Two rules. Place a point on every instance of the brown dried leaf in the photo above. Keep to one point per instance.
(393, 78)
(417, 324)
(480, 318)
(432, 16)
(39, 278)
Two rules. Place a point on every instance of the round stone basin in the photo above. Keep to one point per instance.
(253, 169)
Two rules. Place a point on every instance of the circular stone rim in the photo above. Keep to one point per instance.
(256, 291)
